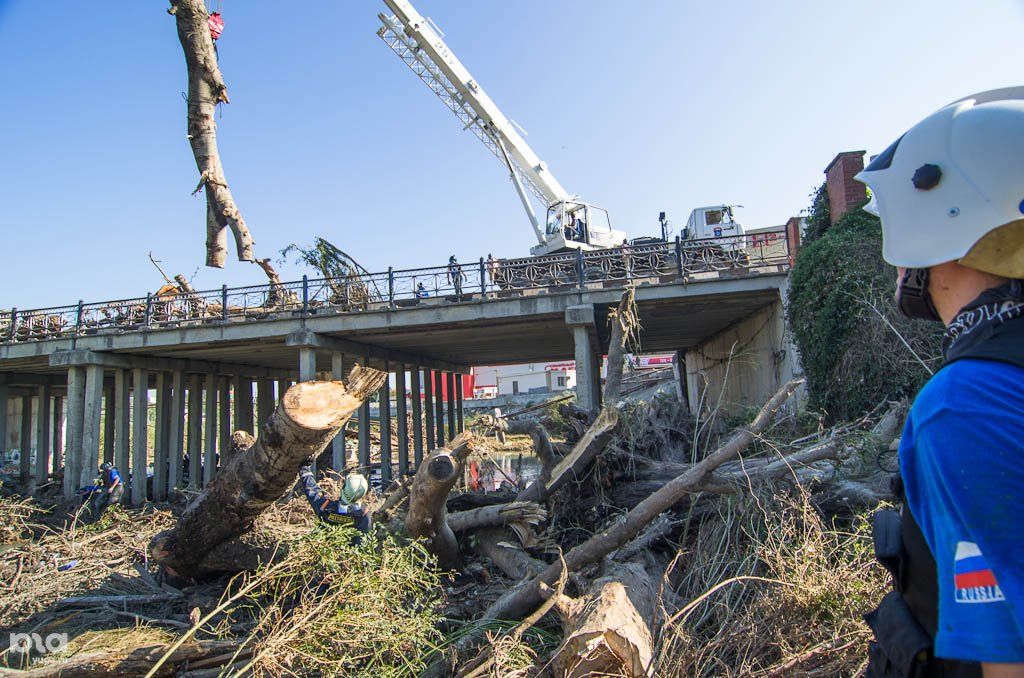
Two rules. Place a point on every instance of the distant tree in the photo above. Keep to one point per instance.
(856, 349)
(818, 215)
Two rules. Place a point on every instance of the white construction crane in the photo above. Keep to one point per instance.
(570, 223)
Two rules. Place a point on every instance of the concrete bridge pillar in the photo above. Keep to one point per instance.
(43, 436)
(195, 431)
(210, 430)
(122, 421)
(58, 434)
(307, 363)
(439, 405)
(176, 430)
(225, 427)
(160, 455)
(451, 405)
(93, 410)
(417, 420)
(364, 432)
(338, 454)
(5, 394)
(402, 422)
(428, 406)
(460, 415)
(140, 434)
(580, 320)
(265, 401)
(25, 441)
(384, 410)
(243, 404)
(73, 447)
(108, 424)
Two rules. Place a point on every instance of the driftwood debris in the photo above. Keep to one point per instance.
(134, 661)
(309, 415)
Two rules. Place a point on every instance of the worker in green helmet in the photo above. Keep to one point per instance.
(344, 510)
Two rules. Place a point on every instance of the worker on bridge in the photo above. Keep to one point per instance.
(950, 194)
(345, 510)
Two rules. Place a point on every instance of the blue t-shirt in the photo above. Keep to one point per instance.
(112, 477)
(962, 461)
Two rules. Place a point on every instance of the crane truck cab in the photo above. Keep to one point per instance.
(573, 225)
(711, 222)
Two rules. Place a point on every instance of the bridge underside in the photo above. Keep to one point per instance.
(526, 328)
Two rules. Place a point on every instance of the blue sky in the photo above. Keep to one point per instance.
(638, 107)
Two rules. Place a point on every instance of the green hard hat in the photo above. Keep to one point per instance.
(354, 489)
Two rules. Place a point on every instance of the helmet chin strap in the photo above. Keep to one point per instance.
(912, 295)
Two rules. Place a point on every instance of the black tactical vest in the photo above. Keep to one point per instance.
(905, 622)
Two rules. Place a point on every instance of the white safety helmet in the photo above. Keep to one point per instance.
(952, 187)
(354, 489)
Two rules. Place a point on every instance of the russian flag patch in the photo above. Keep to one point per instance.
(974, 581)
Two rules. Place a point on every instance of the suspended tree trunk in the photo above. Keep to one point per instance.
(428, 496)
(625, 324)
(307, 418)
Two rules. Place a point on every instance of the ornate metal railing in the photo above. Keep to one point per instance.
(655, 263)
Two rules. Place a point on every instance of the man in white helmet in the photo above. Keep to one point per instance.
(950, 194)
(346, 509)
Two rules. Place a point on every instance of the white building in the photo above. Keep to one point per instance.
(498, 380)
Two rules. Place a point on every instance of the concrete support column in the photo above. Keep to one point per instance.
(108, 425)
(243, 404)
(160, 437)
(384, 411)
(417, 420)
(451, 405)
(5, 394)
(265, 402)
(43, 436)
(25, 442)
(307, 363)
(58, 433)
(195, 431)
(122, 421)
(140, 434)
(439, 395)
(581, 321)
(282, 387)
(338, 454)
(73, 447)
(93, 410)
(224, 419)
(210, 430)
(364, 437)
(176, 431)
(401, 417)
(598, 391)
(428, 407)
(460, 415)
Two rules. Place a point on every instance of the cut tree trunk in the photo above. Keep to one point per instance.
(497, 515)
(625, 324)
(608, 630)
(428, 496)
(502, 549)
(308, 417)
(206, 89)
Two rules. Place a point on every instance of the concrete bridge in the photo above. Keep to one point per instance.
(204, 353)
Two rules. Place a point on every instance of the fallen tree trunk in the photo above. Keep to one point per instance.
(497, 515)
(608, 630)
(428, 496)
(600, 545)
(131, 662)
(574, 464)
(498, 546)
(308, 417)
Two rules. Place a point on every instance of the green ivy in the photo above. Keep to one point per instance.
(840, 310)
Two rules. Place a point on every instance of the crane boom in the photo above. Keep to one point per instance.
(416, 42)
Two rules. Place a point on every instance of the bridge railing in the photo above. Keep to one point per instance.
(654, 263)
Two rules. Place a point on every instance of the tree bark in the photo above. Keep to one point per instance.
(497, 515)
(206, 89)
(600, 545)
(625, 323)
(427, 516)
(608, 630)
(307, 418)
(498, 546)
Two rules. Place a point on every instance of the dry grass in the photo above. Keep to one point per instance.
(775, 590)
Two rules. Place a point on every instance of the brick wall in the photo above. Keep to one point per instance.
(844, 192)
